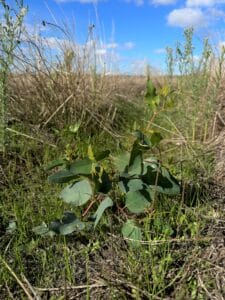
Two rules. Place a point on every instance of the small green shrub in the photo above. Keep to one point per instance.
(132, 186)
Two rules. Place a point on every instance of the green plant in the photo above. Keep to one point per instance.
(10, 32)
(157, 100)
(132, 187)
(197, 80)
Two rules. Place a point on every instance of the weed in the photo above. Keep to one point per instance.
(139, 180)
(10, 32)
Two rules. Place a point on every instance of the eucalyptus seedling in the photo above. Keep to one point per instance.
(138, 178)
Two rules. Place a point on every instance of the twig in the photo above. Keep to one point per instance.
(167, 130)
(150, 122)
(204, 287)
(30, 287)
(103, 127)
(9, 292)
(121, 210)
(58, 109)
(214, 125)
(8, 245)
(17, 279)
(220, 118)
(78, 287)
(29, 137)
(88, 208)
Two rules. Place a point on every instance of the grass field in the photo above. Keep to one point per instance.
(60, 112)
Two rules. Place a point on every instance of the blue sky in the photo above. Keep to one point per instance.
(136, 31)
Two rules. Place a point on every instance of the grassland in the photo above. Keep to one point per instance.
(56, 111)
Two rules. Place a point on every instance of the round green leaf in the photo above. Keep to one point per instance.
(77, 193)
(43, 230)
(122, 161)
(138, 201)
(131, 231)
(68, 228)
(135, 185)
(81, 167)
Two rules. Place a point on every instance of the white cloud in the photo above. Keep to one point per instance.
(101, 51)
(59, 43)
(198, 3)
(163, 2)
(186, 17)
(160, 51)
(137, 2)
(214, 15)
(81, 1)
(139, 66)
(217, 13)
(157, 2)
(203, 3)
(128, 45)
(111, 46)
(56, 43)
(106, 48)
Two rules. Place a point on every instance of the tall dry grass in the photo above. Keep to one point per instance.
(71, 85)
(198, 86)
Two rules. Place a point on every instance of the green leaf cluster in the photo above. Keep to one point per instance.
(163, 98)
(68, 224)
(138, 179)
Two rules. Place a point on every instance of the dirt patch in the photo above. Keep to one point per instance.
(214, 255)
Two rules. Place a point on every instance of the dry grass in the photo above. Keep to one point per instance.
(218, 143)
(71, 83)
(93, 99)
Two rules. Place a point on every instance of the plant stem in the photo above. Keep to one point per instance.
(3, 109)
